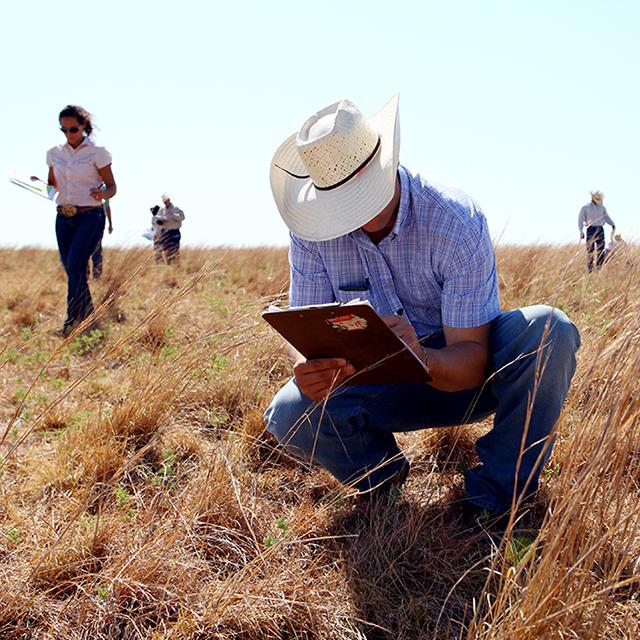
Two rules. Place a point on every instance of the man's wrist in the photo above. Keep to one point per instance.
(425, 360)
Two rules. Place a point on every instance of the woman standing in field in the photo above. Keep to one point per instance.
(81, 173)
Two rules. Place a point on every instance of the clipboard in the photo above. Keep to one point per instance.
(36, 187)
(354, 332)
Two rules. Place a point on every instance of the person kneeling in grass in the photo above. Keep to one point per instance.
(363, 225)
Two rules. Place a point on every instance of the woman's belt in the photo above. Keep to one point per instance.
(70, 210)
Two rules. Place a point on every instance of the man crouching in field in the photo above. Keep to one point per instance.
(364, 226)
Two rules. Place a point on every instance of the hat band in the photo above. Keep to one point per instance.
(341, 182)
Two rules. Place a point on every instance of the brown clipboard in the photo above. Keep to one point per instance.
(354, 332)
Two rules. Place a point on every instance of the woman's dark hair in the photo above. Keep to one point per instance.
(80, 114)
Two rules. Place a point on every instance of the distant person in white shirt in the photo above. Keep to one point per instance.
(81, 173)
(167, 223)
(594, 216)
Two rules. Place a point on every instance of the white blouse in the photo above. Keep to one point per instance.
(76, 171)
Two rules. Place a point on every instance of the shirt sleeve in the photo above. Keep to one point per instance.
(102, 157)
(607, 218)
(581, 219)
(309, 283)
(470, 289)
(50, 158)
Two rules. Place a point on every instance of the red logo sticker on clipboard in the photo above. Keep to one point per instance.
(348, 322)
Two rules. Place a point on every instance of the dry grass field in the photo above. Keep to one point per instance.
(141, 498)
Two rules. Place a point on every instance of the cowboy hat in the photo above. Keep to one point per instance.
(598, 196)
(338, 171)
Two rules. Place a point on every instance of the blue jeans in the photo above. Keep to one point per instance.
(78, 238)
(96, 258)
(595, 244)
(351, 436)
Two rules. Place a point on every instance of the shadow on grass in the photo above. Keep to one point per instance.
(412, 570)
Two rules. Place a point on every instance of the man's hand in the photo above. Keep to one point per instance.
(110, 228)
(316, 378)
(581, 236)
(405, 331)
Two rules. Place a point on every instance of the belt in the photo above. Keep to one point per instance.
(70, 210)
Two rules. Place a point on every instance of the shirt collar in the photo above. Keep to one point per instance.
(86, 142)
(402, 220)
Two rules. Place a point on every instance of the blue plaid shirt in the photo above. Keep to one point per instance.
(437, 264)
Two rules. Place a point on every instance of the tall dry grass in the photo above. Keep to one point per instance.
(141, 497)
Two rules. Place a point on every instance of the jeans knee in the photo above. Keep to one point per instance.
(552, 326)
(564, 335)
(285, 419)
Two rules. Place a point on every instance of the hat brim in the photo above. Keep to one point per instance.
(314, 214)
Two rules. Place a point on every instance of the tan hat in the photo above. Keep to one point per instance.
(338, 171)
(598, 196)
(165, 196)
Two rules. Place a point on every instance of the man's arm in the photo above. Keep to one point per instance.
(462, 364)
(608, 220)
(581, 220)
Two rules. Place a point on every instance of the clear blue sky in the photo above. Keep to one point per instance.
(527, 106)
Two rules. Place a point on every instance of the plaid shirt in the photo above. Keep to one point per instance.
(437, 264)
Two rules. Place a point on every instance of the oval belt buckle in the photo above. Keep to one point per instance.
(68, 210)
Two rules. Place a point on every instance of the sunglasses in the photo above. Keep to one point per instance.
(69, 129)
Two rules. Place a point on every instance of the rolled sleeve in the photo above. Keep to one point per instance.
(310, 282)
(470, 290)
(102, 158)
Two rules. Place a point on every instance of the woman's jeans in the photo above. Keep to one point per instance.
(78, 238)
(351, 436)
(96, 258)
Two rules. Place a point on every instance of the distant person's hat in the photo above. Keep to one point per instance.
(598, 196)
(338, 171)
(165, 197)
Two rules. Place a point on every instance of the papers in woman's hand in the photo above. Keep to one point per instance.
(37, 187)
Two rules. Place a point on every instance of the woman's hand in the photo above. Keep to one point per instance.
(317, 378)
(97, 194)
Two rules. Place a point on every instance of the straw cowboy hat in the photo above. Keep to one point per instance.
(598, 196)
(338, 171)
